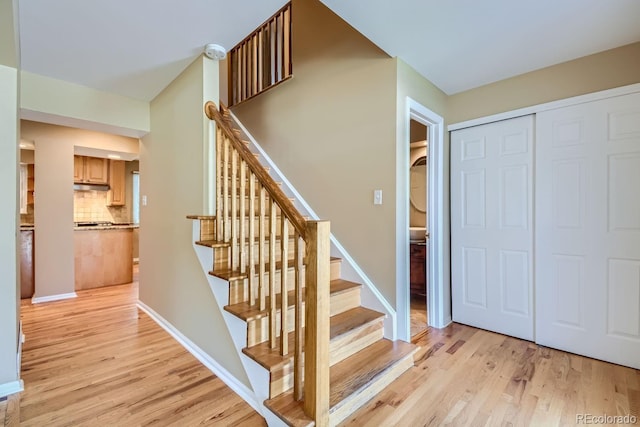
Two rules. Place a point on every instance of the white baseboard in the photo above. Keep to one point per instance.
(13, 387)
(242, 390)
(38, 300)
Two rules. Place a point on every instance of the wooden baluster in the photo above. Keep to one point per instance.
(225, 191)
(219, 179)
(279, 55)
(297, 357)
(254, 65)
(234, 209)
(284, 258)
(287, 42)
(259, 59)
(252, 238)
(238, 76)
(272, 274)
(316, 356)
(242, 235)
(261, 267)
(274, 52)
(240, 73)
(266, 79)
(282, 49)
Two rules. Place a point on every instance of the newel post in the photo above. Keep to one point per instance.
(316, 359)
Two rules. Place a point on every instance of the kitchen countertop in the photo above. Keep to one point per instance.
(107, 227)
(26, 227)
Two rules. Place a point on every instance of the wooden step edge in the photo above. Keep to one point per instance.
(232, 275)
(201, 217)
(364, 374)
(339, 286)
(213, 243)
(249, 313)
(349, 322)
(289, 411)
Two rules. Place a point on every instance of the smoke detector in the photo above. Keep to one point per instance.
(215, 51)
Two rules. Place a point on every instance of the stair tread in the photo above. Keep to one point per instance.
(347, 378)
(228, 274)
(212, 243)
(354, 373)
(340, 324)
(289, 410)
(248, 312)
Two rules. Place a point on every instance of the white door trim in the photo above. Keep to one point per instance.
(595, 96)
(438, 292)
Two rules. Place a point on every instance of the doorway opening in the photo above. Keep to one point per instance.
(418, 231)
(438, 290)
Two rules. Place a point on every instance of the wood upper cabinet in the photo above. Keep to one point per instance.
(78, 168)
(90, 170)
(116, 194)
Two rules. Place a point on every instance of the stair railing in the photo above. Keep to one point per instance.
(245, 195)
(263, 59)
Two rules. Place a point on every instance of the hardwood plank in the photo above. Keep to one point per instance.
(97, 360)
(491, 379)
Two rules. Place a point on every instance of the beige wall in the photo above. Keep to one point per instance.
(53, 217)
(604, 70)
(9, 271)
(48, 100)
(8, 34)
(54, 198)
(331, 130)
(172, 176)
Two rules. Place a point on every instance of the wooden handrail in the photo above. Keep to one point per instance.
(275, 192)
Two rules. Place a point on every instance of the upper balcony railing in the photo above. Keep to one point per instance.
(262, 60)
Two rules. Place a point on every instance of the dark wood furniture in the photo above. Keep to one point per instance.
(418, 269)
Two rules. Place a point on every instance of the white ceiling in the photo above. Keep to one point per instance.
(135, 48)
(462, 44)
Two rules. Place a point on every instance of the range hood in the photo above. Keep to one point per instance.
(90, 187)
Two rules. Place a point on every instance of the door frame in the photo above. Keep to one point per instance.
(439, 288)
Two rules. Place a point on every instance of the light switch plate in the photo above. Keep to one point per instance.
(144, 200)
(377, 197)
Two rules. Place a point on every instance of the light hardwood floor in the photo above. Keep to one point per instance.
(418, 316)
(470, 377)
(98, 361)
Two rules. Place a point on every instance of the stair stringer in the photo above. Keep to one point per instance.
(258, 375)
(370, 296)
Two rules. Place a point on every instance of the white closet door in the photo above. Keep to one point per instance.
(588, 229)
(491, 226)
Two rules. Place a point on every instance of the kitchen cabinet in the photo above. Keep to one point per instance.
(103, 257)
(26, 264)
(116, 194)
(30, 183)
(418, 266)
(90, 170)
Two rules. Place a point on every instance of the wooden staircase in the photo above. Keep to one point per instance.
(325, 353)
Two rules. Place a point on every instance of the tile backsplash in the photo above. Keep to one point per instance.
(92, 206)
